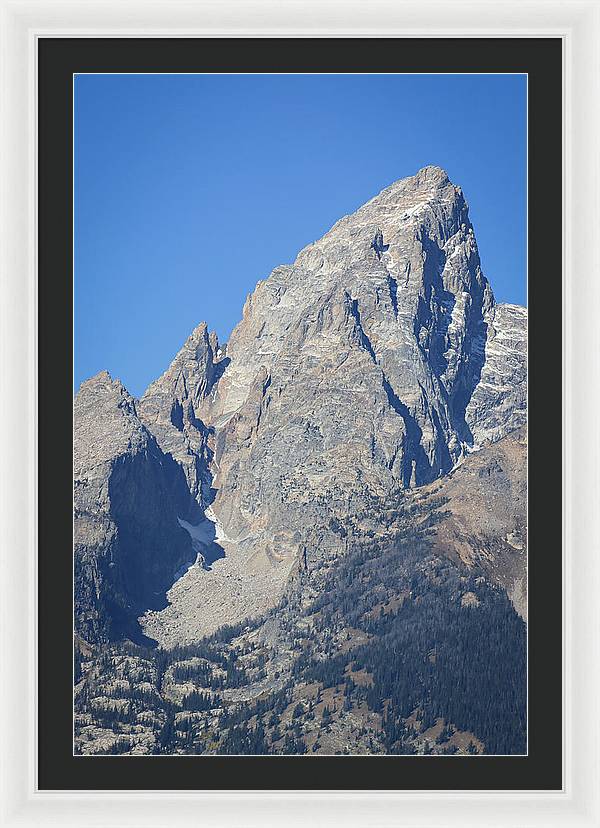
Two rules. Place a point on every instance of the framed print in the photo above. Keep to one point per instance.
(304, 402)
(305, 532)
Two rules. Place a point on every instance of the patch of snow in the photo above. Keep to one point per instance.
(207, 531)
(203, 533)
(219, 533)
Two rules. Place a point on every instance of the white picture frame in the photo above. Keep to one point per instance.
(578, 24)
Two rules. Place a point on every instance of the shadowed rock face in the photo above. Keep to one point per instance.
(377, 359)
(127, 495)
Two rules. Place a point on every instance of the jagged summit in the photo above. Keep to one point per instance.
(105, 421)
(431, 172)
(427, 179)
(171, 406)
(428, 195)
(102, 379)
(191, 371)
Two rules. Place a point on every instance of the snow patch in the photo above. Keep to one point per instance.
(206, 532)
(202, 534)
(218, 529)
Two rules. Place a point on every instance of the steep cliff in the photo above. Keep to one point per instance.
(499, 402)
(128, 543)
(170, 408)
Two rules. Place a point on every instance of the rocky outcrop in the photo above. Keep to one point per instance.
(485, 515)
(128, 543)
(499, 403)
(170, 408)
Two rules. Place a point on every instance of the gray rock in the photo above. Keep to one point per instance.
(171, 404)
(499, 403)
(128, 494)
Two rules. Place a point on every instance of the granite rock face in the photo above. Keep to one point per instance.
(384, 318)
(355, 366)
(170, 407)
(378, 358)
(499, 402)
(127, 497)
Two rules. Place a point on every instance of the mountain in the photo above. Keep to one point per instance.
(322, 523)
(378, 359)
(128, 544)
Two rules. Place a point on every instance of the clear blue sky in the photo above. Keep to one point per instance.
(191, 188)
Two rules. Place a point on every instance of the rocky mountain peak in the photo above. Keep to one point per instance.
(190, 375)
(102, 386)
(171, 406)
(400, 279)
(377, 360)
(431, 173)
(105, 421)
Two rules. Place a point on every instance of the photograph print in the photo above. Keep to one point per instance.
(300, 414)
